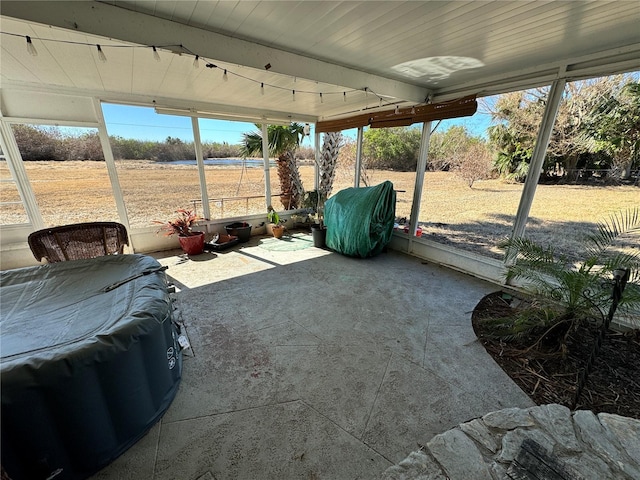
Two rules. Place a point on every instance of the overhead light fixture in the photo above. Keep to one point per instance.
(156, 55)
(196, 63)
(101, 56)
(293, 95)
(225, 77)
(30, 48)
(397, 111)
(262, 88)
(321, 99)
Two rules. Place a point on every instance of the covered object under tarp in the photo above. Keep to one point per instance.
(89, 362)
(360, 220)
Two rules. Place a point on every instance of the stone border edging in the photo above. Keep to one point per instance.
(598, 447)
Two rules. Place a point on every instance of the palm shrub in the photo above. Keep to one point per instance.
(565, 294)
(282, 141)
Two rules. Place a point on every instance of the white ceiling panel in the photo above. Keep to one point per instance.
(447, 48)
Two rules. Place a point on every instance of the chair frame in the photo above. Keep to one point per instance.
(78, 240)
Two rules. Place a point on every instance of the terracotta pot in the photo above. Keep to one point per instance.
(278, 230)
(193, 244)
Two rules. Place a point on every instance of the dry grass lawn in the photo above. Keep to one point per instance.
(472, 218)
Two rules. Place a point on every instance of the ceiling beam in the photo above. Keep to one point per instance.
(114, 22)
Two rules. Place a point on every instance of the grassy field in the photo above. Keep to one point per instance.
(451, 212)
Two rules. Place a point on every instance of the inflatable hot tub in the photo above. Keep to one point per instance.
(89, 362)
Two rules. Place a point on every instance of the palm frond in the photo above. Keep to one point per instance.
(620, 224)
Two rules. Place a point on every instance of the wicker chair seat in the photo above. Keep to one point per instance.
(79, 240)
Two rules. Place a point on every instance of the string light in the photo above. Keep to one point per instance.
(397, 111)
(196, 64)
(101, 56)
(30, 48)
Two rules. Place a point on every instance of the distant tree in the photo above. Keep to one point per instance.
(518, 116)
(614, 125)
(473, 163)
(38, 143)
(446, 149)
(394, 148)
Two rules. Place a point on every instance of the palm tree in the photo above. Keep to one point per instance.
(328, 159)
(565, 292)
(283, 141)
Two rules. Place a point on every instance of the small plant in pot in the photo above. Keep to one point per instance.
(276, 224)
(191, 242)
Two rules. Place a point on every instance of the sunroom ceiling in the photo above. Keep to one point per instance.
(358, 54)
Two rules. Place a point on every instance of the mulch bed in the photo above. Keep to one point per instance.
(549, 374)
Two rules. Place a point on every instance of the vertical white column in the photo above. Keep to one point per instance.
(111, 169)
(356, 181)
(421, 167)
(19, 174)
(537, 159)
(316, 170)
(204, 195)
(265, 158)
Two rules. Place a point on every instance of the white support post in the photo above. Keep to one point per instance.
(421, 167)
(537, 159)
(19, 174)
(316, 170)
(111, 168)
(206, 213)
(356, 181)
(265, 158)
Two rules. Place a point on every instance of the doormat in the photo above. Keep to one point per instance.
(288, 243)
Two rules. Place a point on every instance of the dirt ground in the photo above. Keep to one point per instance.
(472, 218)
(549, 374)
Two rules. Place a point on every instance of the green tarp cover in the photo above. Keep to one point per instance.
(85, 371)
(360, 220)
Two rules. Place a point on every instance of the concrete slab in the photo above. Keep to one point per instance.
(282, 441)
(340, 382)
(308, 364)
(413, 405)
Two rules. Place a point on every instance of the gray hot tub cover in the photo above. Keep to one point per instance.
(84, 372)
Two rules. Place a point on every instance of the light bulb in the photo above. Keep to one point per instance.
(156, 55)
(101, 56)
(397, 111)
(321, 99)
(30, 48)
(413, 110)
(196, 63)
(293, 92)
(262, 89)
(224, 76)
(344, 96)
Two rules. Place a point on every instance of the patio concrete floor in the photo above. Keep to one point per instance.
(306, 364)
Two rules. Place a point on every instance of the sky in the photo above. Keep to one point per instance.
(143, 123)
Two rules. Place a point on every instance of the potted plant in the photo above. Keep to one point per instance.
(277, 227)
(191, 242)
